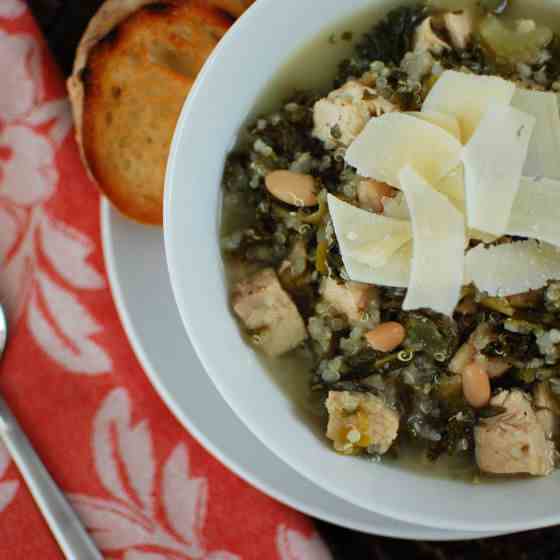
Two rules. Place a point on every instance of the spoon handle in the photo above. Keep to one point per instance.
(65, 525)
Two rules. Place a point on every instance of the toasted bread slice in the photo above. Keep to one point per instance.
(233, 7)
(132, 75)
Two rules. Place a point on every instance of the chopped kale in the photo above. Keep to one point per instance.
(457, 435)
(388, 42)
(334, 260)
(435, 335)
(355, 387)
(475, 58)
(514, 347)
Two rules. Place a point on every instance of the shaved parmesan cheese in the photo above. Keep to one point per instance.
(366, 237)
(512, 268)
(437, 271)
(453, 187)
(396, 207)
(447, 122)
(467, 97)
(395, 273)
(373, 247)
(453, 184)
(543, 158)
(536, 211)
(494, 160)
(377, 253)
(394, 140)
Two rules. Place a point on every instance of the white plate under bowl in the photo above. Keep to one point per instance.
(135, 261)
(237, 73)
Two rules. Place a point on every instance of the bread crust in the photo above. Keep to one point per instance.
(133, 69)
(234, 8)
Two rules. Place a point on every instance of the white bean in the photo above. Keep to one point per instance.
(476, 385)
(386, 337)
(292, 188)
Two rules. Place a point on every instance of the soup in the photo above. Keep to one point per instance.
(390, 234)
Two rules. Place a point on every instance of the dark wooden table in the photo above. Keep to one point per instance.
(63, 22)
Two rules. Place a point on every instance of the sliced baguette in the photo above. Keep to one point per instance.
(134, 68)
(233, 7)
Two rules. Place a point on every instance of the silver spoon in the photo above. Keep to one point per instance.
(65, 525)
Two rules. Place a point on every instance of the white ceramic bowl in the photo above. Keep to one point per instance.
(156, 333)
(225, 93)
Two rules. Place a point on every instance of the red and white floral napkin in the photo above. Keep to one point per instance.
(144, 487)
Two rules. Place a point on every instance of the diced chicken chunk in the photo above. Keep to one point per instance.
(513, 442)
(349, 298)
(460, 27)
(547, 409)
(426, 39)
(341, 116)
(266, 309)
(360, 421)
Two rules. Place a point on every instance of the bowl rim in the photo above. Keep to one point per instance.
(173, 251)
(115, 245)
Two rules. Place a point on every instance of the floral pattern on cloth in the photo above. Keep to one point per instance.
(143, 486)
